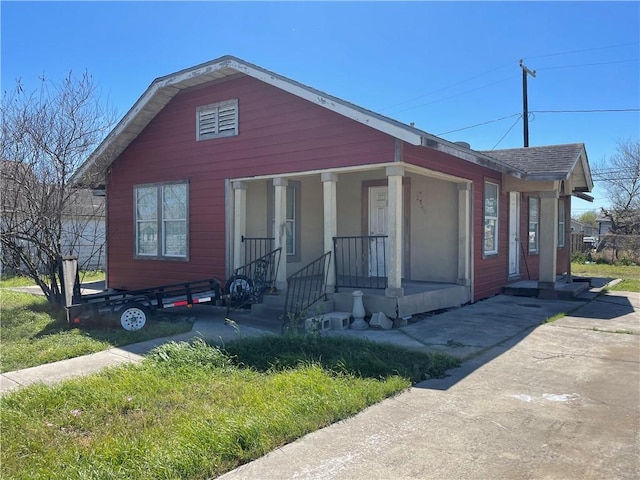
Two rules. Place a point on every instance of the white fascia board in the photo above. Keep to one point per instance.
(326, 101)
(119, 129)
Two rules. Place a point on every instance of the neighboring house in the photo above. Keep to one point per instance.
(226, 150)
(83, 229)
(83, 221)
(604, 225)
(579, 227)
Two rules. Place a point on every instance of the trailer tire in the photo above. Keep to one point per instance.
(133, 317)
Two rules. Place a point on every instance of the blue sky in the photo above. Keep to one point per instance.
(442, 65)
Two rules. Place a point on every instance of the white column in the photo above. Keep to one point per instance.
(464, 234)
(239, 221)
(548, 239)
(280, 229)
(394, 253)
(330, 225)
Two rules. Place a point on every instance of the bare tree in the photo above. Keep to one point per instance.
(620, 177)
(45, 137)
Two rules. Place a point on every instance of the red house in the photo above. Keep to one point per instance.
(214, 157)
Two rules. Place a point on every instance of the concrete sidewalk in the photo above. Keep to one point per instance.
(460, 332)
(561, 402)
(558, 400)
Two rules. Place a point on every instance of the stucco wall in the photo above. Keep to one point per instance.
(434, 230)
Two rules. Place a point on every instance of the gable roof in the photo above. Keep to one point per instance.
(553, 162)
(163, 89)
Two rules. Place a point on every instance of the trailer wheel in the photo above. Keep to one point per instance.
(133, 317)
(239, 288)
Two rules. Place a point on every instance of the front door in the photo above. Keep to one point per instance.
(514, 233)
(378, 225)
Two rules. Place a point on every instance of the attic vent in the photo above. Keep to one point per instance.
(217, 120)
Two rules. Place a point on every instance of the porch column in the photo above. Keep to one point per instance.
(239, 221)
(394, 252)
(464, 234)
(280, 229)
(330, 225)
(548, 239)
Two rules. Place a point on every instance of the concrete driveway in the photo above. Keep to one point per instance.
(562, 402)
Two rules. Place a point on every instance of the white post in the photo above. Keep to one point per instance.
(464, 234)
(239, 222)
(330, 225)
(280, 229)
(394, 258)
(548, 239)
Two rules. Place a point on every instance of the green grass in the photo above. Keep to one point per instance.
(192, 411)
(627, 285)
(631, 272)
(32, 334)
(19, 281)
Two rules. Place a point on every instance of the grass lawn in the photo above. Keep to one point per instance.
(18, 281)
(32, 335)
(195, 411)
(630, 274)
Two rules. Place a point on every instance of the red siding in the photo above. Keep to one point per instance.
(278, 133)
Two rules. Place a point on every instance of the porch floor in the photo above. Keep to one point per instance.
(419, 297)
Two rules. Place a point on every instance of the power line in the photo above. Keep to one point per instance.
(480, 124)
(588, 64)
(583, 50)
(507, 133)
(603, 110)
(443, 88)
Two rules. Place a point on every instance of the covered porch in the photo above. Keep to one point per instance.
(399, 233)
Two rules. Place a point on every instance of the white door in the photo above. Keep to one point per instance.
(514, 233)
(378, 225)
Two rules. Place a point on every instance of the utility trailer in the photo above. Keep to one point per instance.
(133, 308)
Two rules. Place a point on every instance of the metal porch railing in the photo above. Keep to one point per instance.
(361, 261)
(256, 247)
(306, 287)
(250, 282)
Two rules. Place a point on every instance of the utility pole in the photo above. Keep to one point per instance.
(525, 105)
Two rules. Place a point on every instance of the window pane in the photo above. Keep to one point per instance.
(491, 200)
(291, 203)
(147, 235)
(290, 238)
(174, 202)
(490, 236)
(533, 224)
(175, 238)
(146, 203)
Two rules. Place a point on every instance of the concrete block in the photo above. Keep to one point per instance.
(379, 319)
(339, 320)
(319, 323)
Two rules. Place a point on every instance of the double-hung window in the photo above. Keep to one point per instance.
(217, 120)
(534, 213)
(161, 221)
(561, 223)
(490, 244)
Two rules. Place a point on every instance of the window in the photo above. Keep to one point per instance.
(490, 218)
(533, 225)
(292, 219)
(561, 233)
(217, 120)
(161, 221)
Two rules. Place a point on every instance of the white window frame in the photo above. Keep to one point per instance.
(217, 120)
(534, 225)
(160, 220)
(293, 224)
(490, 213)
(561, 223)
(291, 220)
